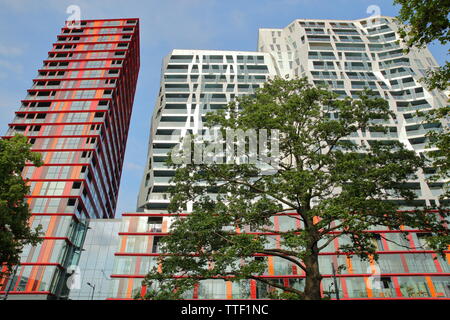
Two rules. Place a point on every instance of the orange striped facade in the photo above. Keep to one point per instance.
(404, 273)
(77, 115)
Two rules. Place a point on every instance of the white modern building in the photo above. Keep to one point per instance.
(348, 56)
(193, 83)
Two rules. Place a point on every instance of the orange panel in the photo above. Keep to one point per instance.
(447, 255)
(129, 288)
(59, 117)
(229, 285)
(48, 251)
(30, 221)
(51, 227)
(431, 286)
(348, 260)
(76, 171)
(37, 188)
(123, 243)
(29, 286)
(98, 94)
(369, 291)
(271, 267)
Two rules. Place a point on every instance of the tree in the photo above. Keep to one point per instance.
(15, 231)
(426, 21)
(336, 188)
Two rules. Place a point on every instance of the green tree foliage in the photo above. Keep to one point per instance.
(426, 21)
(337, 188)
(15, 231)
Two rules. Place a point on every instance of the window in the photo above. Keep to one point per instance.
(89, 83)
(77, 117)
(92, 73)
(102, 46)
(95, 64)
(156, 246)
(84, 94)
(72, 130)
(154, 224)
(377, 242)
(422, 241)
(61, 157)
(76, 185)
(54, 188)
(111, 23)
(80, 105)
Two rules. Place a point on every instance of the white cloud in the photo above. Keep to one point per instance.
(133, 166)
(238, 19)
(176, 23)
(10, 51)
(13, 67)
(31, 5)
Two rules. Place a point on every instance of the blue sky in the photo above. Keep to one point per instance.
(28, 27)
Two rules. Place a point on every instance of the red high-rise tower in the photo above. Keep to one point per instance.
(77, 115)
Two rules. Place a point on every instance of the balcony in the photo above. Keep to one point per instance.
(174, 111)
(348, 47)
(186, 60)
(50, 76)
(358, 57)
(162, 180)
(35, 97)
(176, 69)
(166, 137)
(159, 196)
(388, 135)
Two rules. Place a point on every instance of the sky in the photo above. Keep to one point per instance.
(29, 27)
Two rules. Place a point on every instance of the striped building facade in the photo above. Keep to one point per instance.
(345, 55)
(77, 115)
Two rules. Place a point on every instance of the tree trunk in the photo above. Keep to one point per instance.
(313, 277)
(311, 261)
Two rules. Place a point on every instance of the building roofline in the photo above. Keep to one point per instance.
(344, 20)
(116, 19)
(329, 20)
(216, 51)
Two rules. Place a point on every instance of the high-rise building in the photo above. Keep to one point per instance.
(77, 115)
(347, 56)
(193, 82)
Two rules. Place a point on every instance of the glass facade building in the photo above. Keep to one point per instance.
(96, 261)
(347, 56)
(76, 114)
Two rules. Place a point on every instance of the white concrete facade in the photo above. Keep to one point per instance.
(345, 55)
